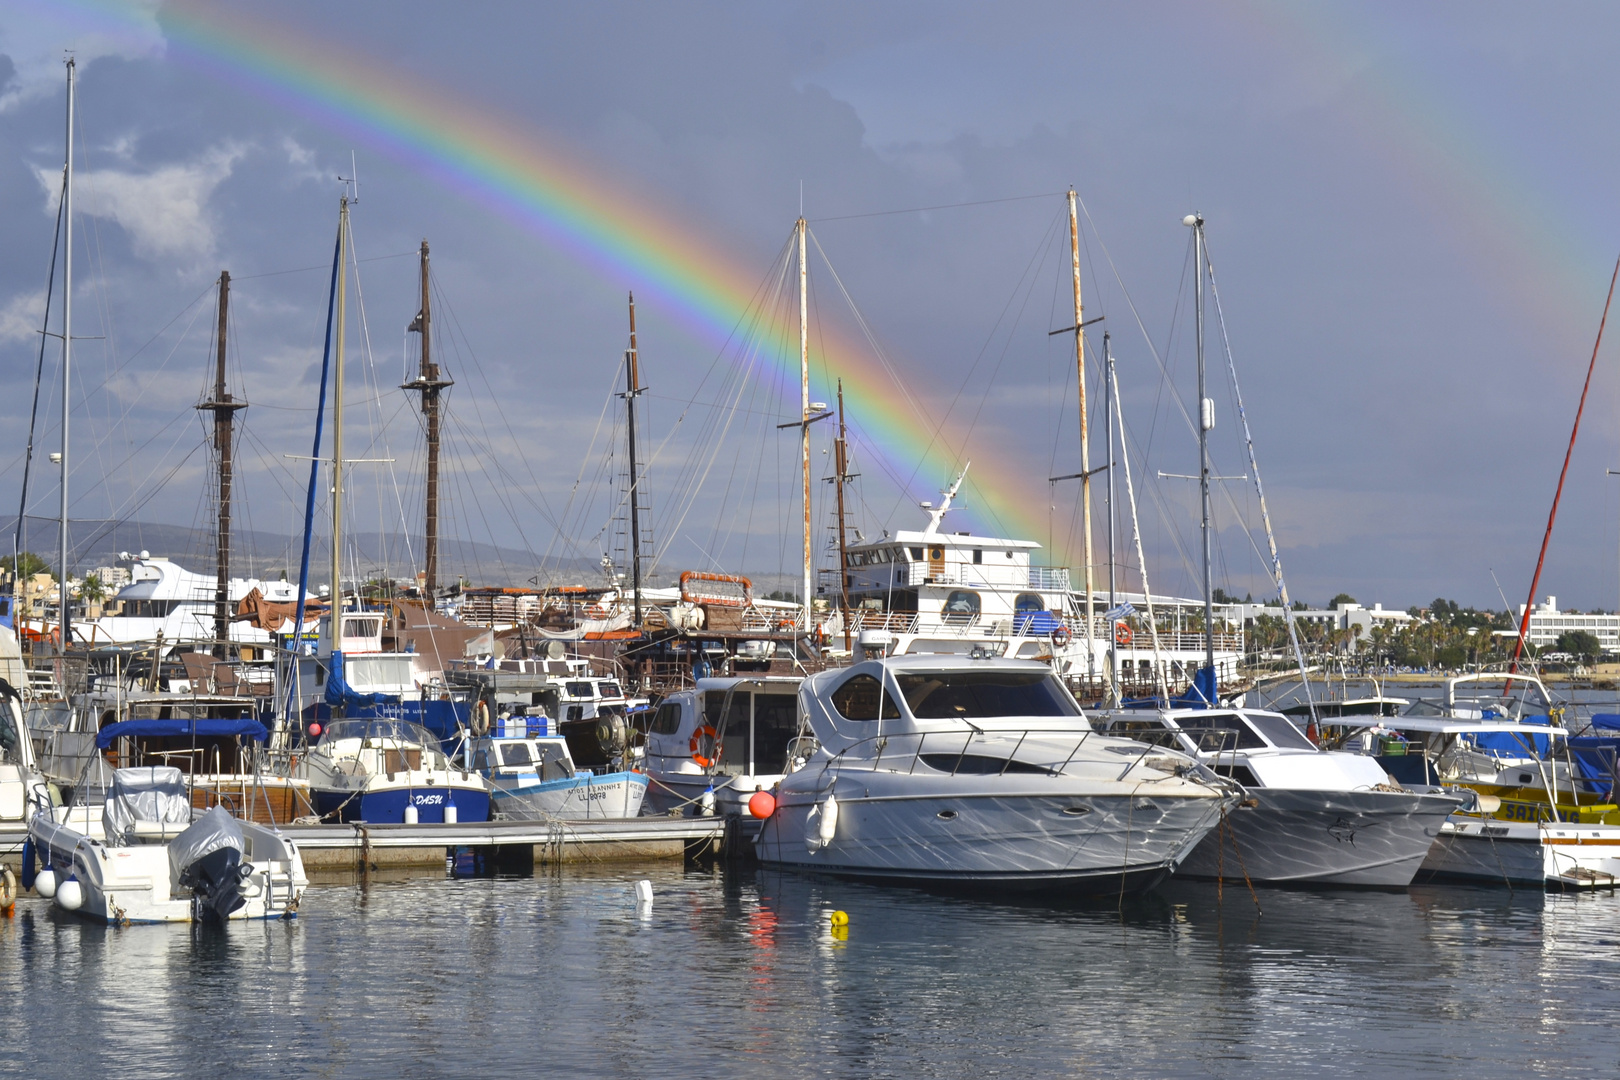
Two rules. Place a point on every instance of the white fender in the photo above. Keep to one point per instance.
(45, 882)
(70, 894)
(821, 823)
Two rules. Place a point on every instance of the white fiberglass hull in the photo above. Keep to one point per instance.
(1556, 854)
(682, 793)
(1033, 837)
(136, 884)
(1375, 839)
(616, 795)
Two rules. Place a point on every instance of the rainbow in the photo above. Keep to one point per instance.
(504, 165)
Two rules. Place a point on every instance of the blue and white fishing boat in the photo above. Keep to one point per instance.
(383, 770)
(532, 776)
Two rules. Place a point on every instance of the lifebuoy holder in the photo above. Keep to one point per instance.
(697, 746)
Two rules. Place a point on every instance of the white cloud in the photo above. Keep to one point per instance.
(19, 318)
(164, 210)
(37, 37)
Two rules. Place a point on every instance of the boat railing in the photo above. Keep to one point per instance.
(982, 752)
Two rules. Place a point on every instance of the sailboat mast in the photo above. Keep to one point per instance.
(804, 406)
(337, 424)
(841, 470)
(1085, 432)
(1113, 598)
(430, 418)
(1206, 420)
(66, 619)
(632, 389)
(224, 410)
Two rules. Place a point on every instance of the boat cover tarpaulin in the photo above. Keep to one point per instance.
(340, 693)
(182, 728)
(1513, 744)
(210, 833)
(1606, 721)
(152, 794)
(1597, 759)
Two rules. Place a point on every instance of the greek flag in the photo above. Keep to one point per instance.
(1123, 611)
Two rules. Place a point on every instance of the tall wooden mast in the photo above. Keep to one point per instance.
(430, 382)
(632, 390)
(224, 410)
(335, 618)
(65, 616)
(1085, 432)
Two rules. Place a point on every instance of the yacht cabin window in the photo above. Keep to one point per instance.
(858, 699)
(1278, 731)
(1028, 602)
(948, 695)
(611, 690)
(667, 721)
(962, 603)
(580, 689)
(516, 753)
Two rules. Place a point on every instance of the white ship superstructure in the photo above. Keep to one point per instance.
(163, 597)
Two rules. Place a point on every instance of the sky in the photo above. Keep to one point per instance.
(1407, 210)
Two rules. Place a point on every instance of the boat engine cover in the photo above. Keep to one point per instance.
(207, 859)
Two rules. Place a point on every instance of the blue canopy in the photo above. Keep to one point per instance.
(1597, 760)
(1606, 721)
(1512, 743)
(1201, 694)
(206, 728)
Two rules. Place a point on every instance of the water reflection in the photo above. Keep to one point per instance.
(741, 973)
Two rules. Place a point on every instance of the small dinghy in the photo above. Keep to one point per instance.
(154, 862)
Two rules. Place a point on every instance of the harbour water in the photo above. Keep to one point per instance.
(738, 972)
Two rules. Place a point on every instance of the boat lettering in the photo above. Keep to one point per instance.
(427, 800)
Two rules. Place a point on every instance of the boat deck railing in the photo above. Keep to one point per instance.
(976, 752)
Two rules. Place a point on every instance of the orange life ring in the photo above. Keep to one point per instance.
(696, 746)
(1122, 633)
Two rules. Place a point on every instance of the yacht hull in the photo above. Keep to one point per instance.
(616, 795)
(1031, 839)
(1554, 854)
(681, 792)
(1371, 839)
(385, 803)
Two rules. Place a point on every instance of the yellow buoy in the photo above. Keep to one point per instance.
(839, 918)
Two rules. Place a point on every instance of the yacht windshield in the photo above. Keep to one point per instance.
(947, 695)
(402, 731)
(1279, 732)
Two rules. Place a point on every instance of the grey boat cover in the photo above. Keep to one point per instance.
(155, 794)
(208, 834)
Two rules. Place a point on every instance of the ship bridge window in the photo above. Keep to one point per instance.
(516, 754)
(580, 689)
(1214, 732)
(1028, 602)
(667, 721)
(1279, 732)
(950, 695)
(916, 554)
(859, 698)
(961, 603)
(611, 690)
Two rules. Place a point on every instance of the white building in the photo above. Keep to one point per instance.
(1547, 623)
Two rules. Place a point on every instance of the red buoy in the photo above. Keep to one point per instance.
(315, 731)
(762, 804)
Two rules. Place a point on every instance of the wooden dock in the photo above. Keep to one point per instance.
(505, 844)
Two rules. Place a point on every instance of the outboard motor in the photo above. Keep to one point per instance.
(207, 859)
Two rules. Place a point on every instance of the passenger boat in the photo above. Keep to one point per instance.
(533, 777)
(164, 601)
(1311, 816)
(379, 769)
(979, 772)
(711, 747)
(156, 860)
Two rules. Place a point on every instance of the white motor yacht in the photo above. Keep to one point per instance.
(726, 737)
(1312, 816)
(156, 860)
(979, 772)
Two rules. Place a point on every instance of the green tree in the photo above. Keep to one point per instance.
(91, 590)
(31, 564)
(1578, 643)
(1342, 598)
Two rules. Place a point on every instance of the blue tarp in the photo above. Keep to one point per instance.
(181, 729)
(1200, 695)
(1032, 623)
(1512, 743)
(339, 692)
(1606, 721)
(1595, 760)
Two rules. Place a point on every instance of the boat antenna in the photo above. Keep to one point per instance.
(1552, 516)
(224, 410)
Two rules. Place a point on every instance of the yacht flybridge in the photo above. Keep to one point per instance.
(979, 772)
(165, 600)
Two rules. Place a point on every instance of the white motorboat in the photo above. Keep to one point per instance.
(157, 861)
(1312, 817)
(533, 777)
(712, 747)
(979, 772)
(23, 788)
